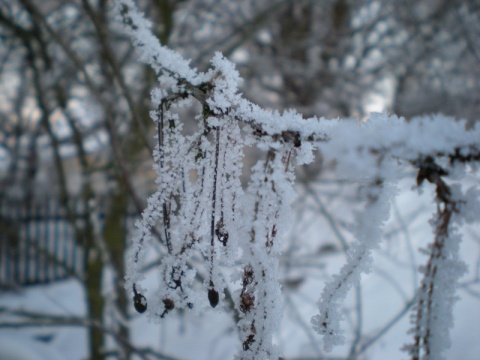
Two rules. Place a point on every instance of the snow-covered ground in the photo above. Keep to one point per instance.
(65, 298)
(211, 335)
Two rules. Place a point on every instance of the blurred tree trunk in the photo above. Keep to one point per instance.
(115, 241)
(95, 301)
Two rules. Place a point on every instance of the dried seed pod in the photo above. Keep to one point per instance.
(247, 301)
(169, 304)
(222, 234)
(140, 303)
(213, 297)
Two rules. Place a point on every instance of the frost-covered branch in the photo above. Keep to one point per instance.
(433, 312)
(205, 213)
(359, 259)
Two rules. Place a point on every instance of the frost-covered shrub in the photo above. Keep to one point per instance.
(210, 222)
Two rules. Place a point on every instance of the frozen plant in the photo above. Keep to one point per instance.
(208, 221)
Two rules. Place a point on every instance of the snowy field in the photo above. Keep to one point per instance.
(385, 293)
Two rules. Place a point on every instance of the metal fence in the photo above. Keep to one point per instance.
(41, 242)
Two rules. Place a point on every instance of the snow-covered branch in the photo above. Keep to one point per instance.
(204, 211)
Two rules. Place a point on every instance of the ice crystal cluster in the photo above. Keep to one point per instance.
(206, 221)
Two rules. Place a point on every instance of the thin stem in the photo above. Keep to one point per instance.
(214, 203)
